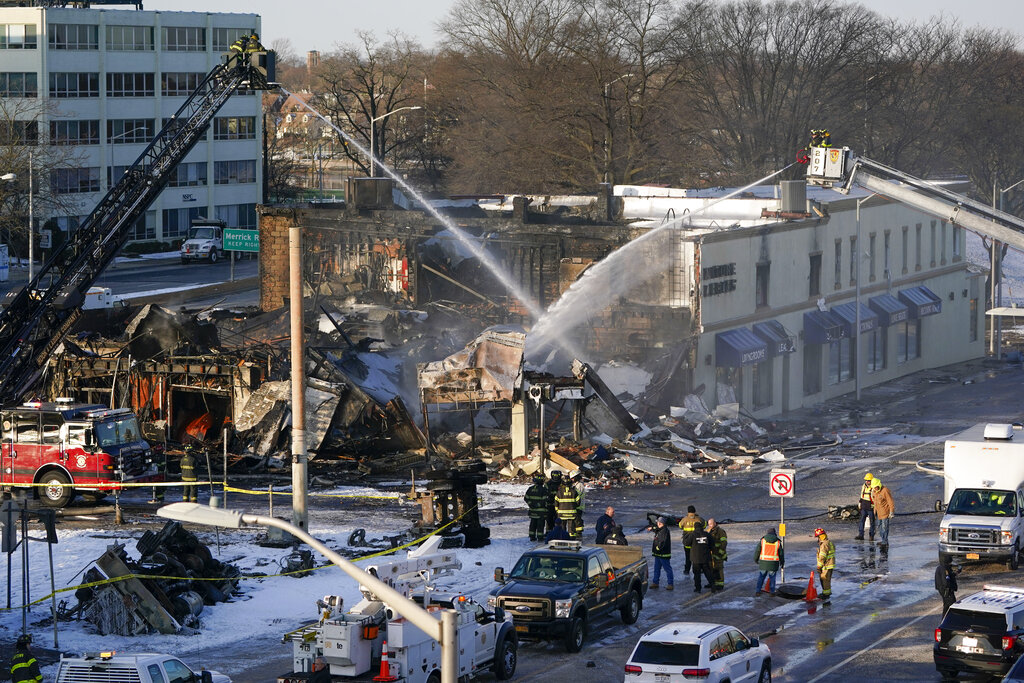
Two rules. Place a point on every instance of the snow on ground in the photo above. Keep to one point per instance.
(159, 256)
(167, 290)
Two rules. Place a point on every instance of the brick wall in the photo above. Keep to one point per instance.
(274, 224)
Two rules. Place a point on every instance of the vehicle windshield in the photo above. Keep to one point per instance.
(118, 431)
(985, 502)
(202, 234)
(548, 568)
(981, 622)
(666, 654)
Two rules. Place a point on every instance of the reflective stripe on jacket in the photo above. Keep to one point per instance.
(24, 668)
(826, 553)
(566, 501)
(769, 551)
(537, 500)
(865, 490)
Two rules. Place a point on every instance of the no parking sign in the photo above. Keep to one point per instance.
(780, 483)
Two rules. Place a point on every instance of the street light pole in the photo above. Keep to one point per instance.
(373, 130)
(856, 305)
(444, 631)
(31, 218)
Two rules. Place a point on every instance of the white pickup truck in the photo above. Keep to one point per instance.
(205, 241)
(147, 667)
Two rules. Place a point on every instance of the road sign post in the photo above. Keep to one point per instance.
(781, 484)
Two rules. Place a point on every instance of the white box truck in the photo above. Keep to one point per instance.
(984, 495)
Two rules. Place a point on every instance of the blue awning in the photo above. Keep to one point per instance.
(921, 301)
(889, 309)
(775, 335)
(848, 314)
(821, 327)
(739, 347)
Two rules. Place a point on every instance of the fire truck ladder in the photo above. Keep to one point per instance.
(34, 320)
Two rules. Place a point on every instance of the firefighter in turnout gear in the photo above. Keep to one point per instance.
(688, 523)
(718, 554)
(569, 506)
(537, 503)
(553, 485)
(826, 562)
(189, 492)
(24, 667)
(867, 510)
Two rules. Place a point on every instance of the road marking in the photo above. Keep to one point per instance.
(881, 640)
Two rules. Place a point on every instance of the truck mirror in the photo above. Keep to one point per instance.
(499, 575)
(601, 580)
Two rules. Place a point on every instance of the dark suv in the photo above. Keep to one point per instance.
(982, 633)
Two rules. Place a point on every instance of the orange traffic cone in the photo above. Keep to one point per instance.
(812, 592)
(385, 668)
(767, 587)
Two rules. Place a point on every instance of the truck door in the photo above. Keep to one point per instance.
(602, 597)
(156, 674)
(177, 672)
(27, 447)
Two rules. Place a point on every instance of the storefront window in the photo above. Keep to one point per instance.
(729, 387)
(840, 361)
(812, 369)
(876, 342)
(762, 380)
(908, 345)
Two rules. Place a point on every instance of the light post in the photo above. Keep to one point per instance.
(996, 294)
(373, 129)
(31, 217)
(9, 178)
(444, 631)
(856, 305)
(608, 128)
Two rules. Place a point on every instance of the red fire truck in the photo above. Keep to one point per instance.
(64, 448)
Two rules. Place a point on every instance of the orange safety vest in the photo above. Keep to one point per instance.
(865, 490)
(769, 551)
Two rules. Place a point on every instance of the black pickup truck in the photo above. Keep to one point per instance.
(559, 589)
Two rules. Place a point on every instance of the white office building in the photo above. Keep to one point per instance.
(105, 81)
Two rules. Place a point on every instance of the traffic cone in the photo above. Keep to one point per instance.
(812, 592)
(385, 668)
(767, 587)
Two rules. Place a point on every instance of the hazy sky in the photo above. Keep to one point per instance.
(320, 24)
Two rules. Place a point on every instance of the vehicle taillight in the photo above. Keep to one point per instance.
(633, 669)
(1008, 642)
(938, 635)
(696, 673)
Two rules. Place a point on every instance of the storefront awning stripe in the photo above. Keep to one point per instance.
(775, 335)
(921, 301)
(890, 310)
(821, 327)
(848, 314)
(739, 347)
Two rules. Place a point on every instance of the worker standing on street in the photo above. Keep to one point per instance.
(662, 551)
(567, 504)
(826, 562)
(189, 492)
(770, 557)
(700, 554)
(24, 667)
(884, 510)
(945, 582)
(537, 506)
(688, 523)
(554, 482)
(867, 511)
(718, 554)
(605, 525)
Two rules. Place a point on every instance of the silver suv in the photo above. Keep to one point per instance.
(684, 651)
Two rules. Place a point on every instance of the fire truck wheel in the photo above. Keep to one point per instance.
(56, 491)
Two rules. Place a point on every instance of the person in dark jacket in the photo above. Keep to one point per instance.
(557, 533)
(616, 537)
(719, 554)
(945, 582)
(189, 492)
(700, 555)
(553, 483)
(662, 551)
(24, 667)
(769, 557)
(605, 525)
(537, 506)
(688, 523)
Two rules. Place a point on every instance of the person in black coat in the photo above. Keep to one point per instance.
(945, 582)
(605, 524)
(662, 552)
(700, 556)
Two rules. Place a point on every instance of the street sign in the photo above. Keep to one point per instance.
(241, 240)
(780, 483)
(45, 239)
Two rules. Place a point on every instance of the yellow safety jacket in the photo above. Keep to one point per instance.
(769, 551)
(826, 554)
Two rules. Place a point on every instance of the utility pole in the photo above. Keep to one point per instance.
(300, 513)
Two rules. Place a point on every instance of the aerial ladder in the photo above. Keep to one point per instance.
(35, 319)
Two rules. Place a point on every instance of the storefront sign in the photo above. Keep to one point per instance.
(718, 273)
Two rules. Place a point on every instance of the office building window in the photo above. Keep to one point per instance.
(908, 345)
(74, 84)
(876, 341)
(130, 84)
(177, 221)
(234, 172)
(129, 131)
(17, 84)
(223, 37)
(72, 180)
(917, 247)
(942, 243)
(957, 236)
(906, 247)
(887, 255)
(192, 174)
(237, 215)
(762, 383)
(18, 37)
(184, 38)
(761, 284)
(179, 83)
(19, 133)
(74, 37)
(853, 260)
(82, 132)
(871, 257)
(932, 260)
(973, 326)
(129, 38)
(814, 284)
(68, 224)
(234, 128)
(840, 361)
(839, 264)
(144, 228)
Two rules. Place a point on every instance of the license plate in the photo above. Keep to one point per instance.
(661, 678)
(973, 556)
(522, 629)
(967, 641)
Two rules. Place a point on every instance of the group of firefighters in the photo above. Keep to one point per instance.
(555, 506)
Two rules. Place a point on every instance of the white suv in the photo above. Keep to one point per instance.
(691, 651)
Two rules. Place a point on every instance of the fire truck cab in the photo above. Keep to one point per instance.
(63, 448)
